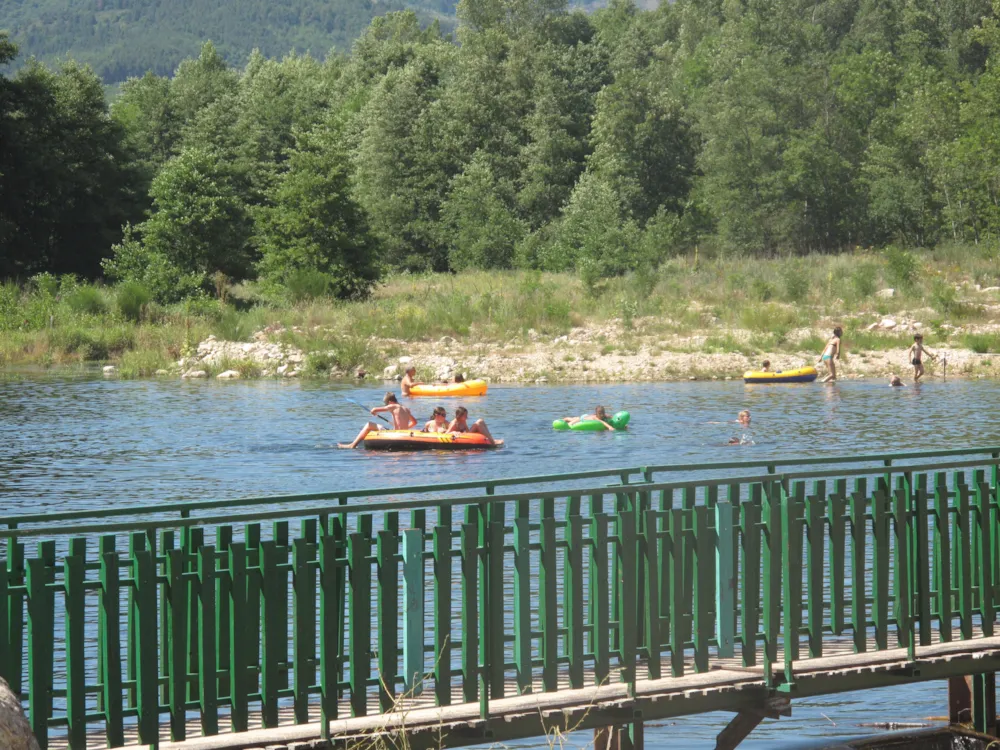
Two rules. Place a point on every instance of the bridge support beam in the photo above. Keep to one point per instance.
(972, 699)
(747, 720)
(620, 737)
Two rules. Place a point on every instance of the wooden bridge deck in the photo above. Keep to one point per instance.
(728, 686)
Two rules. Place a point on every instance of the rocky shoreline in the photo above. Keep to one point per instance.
(609, 353)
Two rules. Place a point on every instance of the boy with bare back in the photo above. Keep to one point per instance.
(402, 419)
(916, 356)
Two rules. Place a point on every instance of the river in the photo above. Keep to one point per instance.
(81, 441)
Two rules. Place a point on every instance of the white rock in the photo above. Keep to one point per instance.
(390, 372)
(195, 374)
(405, 360)
(541, 380)
(292, 374)
(228, 375)
(990, 289)
(872, 327)
(110, 369)
(918, 325)
(887, 323)
(283, 369)
(162, 372)
(885, 293)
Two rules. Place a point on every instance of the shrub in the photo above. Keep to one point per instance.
(761, 290)
(86, 300)
(142, 363)
(46, 284)
(306, 284)
(864, 281)
(232, 326)
(982, 343)
(796, 284)
(901, 266)
(320, 363)
(132, 299)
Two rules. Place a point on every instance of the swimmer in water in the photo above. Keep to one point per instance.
(896, 382)
(742, 419)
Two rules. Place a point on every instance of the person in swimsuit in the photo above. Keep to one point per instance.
(600, 415)
(916, 356)
(831, 354)
(439, 421)
(896, 382)
(401, 420)
(409, 380)
(461, 424)
(766, 366)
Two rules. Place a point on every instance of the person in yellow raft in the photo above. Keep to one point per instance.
(402, 419)
(461, 424)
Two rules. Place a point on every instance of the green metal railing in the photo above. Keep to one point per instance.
(347, 608)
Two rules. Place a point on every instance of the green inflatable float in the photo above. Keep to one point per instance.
(619, 421)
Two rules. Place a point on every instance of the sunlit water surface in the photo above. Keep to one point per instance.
(85, 442)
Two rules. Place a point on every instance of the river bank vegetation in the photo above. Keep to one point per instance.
(732, 157)
(692, 303)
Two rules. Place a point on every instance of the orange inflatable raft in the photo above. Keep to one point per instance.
(414, 440)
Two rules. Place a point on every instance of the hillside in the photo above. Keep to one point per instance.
(122, 38)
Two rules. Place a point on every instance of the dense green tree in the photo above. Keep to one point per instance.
(313, 223)
(198, 222)
(67, 181)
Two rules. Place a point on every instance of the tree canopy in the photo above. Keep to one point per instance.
(540, 137)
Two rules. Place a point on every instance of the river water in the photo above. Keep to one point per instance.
(81, 441)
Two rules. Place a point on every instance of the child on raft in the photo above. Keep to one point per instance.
(461, 424)
(916, 356)
(439, 421)
(765, 366)
(830, 354)
(409, 380)
(600, 415)
(401, 420)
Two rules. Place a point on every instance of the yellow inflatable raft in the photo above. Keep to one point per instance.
(468, 388)
(801, 375)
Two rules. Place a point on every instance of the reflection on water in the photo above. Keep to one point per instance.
(86, 443)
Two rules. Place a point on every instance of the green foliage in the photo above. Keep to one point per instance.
(132, 298)
(313, 223)
(129, 37)
(306, 284)
(87, 300)
(901, 266)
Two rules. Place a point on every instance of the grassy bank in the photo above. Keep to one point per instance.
(691, 304)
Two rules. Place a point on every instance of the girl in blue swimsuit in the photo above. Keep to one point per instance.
(830, 354)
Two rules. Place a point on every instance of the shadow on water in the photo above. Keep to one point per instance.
(85, 442)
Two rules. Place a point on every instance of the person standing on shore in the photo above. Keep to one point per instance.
(831, 354)
(916, 356)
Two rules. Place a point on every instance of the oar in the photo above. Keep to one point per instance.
(369, 411)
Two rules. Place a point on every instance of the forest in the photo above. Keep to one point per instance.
(534, 137)
(123, 38)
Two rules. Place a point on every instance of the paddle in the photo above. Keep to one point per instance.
(369, 411)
